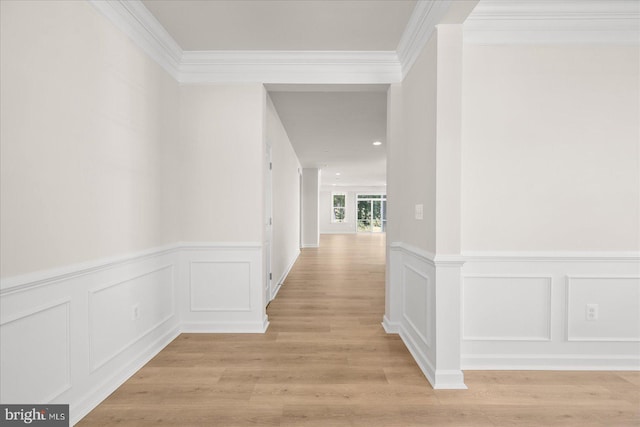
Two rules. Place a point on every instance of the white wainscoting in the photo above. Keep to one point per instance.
(75, 334)
(528, 311)
(618, 301)
(224, 288)
(412, 312)
(506, 308)
(24, 337)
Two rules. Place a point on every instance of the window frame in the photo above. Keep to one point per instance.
(334, 207)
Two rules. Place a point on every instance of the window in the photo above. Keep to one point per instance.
(338, 207)
(372, 212)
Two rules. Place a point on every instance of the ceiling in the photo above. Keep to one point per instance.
(330, 126)
(284, 24)
(335, 131)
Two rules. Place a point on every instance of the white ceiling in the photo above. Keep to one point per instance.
(335, 131)
(284, 24)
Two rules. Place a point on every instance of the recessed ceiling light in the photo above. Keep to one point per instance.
(337, 173)
(377, 143)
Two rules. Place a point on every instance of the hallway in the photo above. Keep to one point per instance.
(326, 361)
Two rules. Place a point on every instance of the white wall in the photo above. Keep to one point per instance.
(87, 126)
(551, 148)
(423, 288)
(310, 207)
(221, 162)
(351, 223)
(86, 119)
(412, 152)
(286, 174)
(131, 207)
(550, 196)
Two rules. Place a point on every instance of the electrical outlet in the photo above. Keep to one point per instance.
(419, 212)
(591, 312)
(135, 312)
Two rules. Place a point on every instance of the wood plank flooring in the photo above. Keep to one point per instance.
(326, 361)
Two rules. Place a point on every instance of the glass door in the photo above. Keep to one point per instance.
(372, 215)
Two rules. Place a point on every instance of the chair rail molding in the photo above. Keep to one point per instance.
(102, 320)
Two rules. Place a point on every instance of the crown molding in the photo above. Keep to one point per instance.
(422, 23)
(324, 67)
(135, 20)
(190, 67)
(557, 22)
(491, 22)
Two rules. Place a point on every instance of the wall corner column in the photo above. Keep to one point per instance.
(448, 264)
(310, 207)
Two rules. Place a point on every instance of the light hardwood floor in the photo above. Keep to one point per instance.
(325, 361)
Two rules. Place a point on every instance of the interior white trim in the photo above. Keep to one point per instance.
(425, 338)
(569, 335)
(439, 379)
(389, 326)
(492, 22)
(47, 277)
(284, 276)
(66, 302)
(256, 327)
(135, 20)
(99, 393)
(415, 251)
(422, 23)
(549, 303)
(91, 293)
(554, 22)
(547, 256)
(303, 67)
(550, 362)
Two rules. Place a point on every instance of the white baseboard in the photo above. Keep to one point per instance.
(93, 322)
(310, 245)
(389, 326)
(338, 232)
(284, 276)
(438, 378)
(94, 397)
(421, 359)
(224, 327)
(550, 362)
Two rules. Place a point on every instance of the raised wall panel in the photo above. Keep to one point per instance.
(618, 300)
(507, 308)
(34, 354)
(416, 294)
(113, 326)
(220, 286)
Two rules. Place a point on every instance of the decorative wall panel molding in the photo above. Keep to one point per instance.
(220, 285)
(417, 295)
(506, 308)
(25, 337)
(491, 22)
(411, 302)
(121, 313)
(617, 301)
(575, 280)
(74, 334)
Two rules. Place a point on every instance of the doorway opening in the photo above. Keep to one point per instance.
(372, 213)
